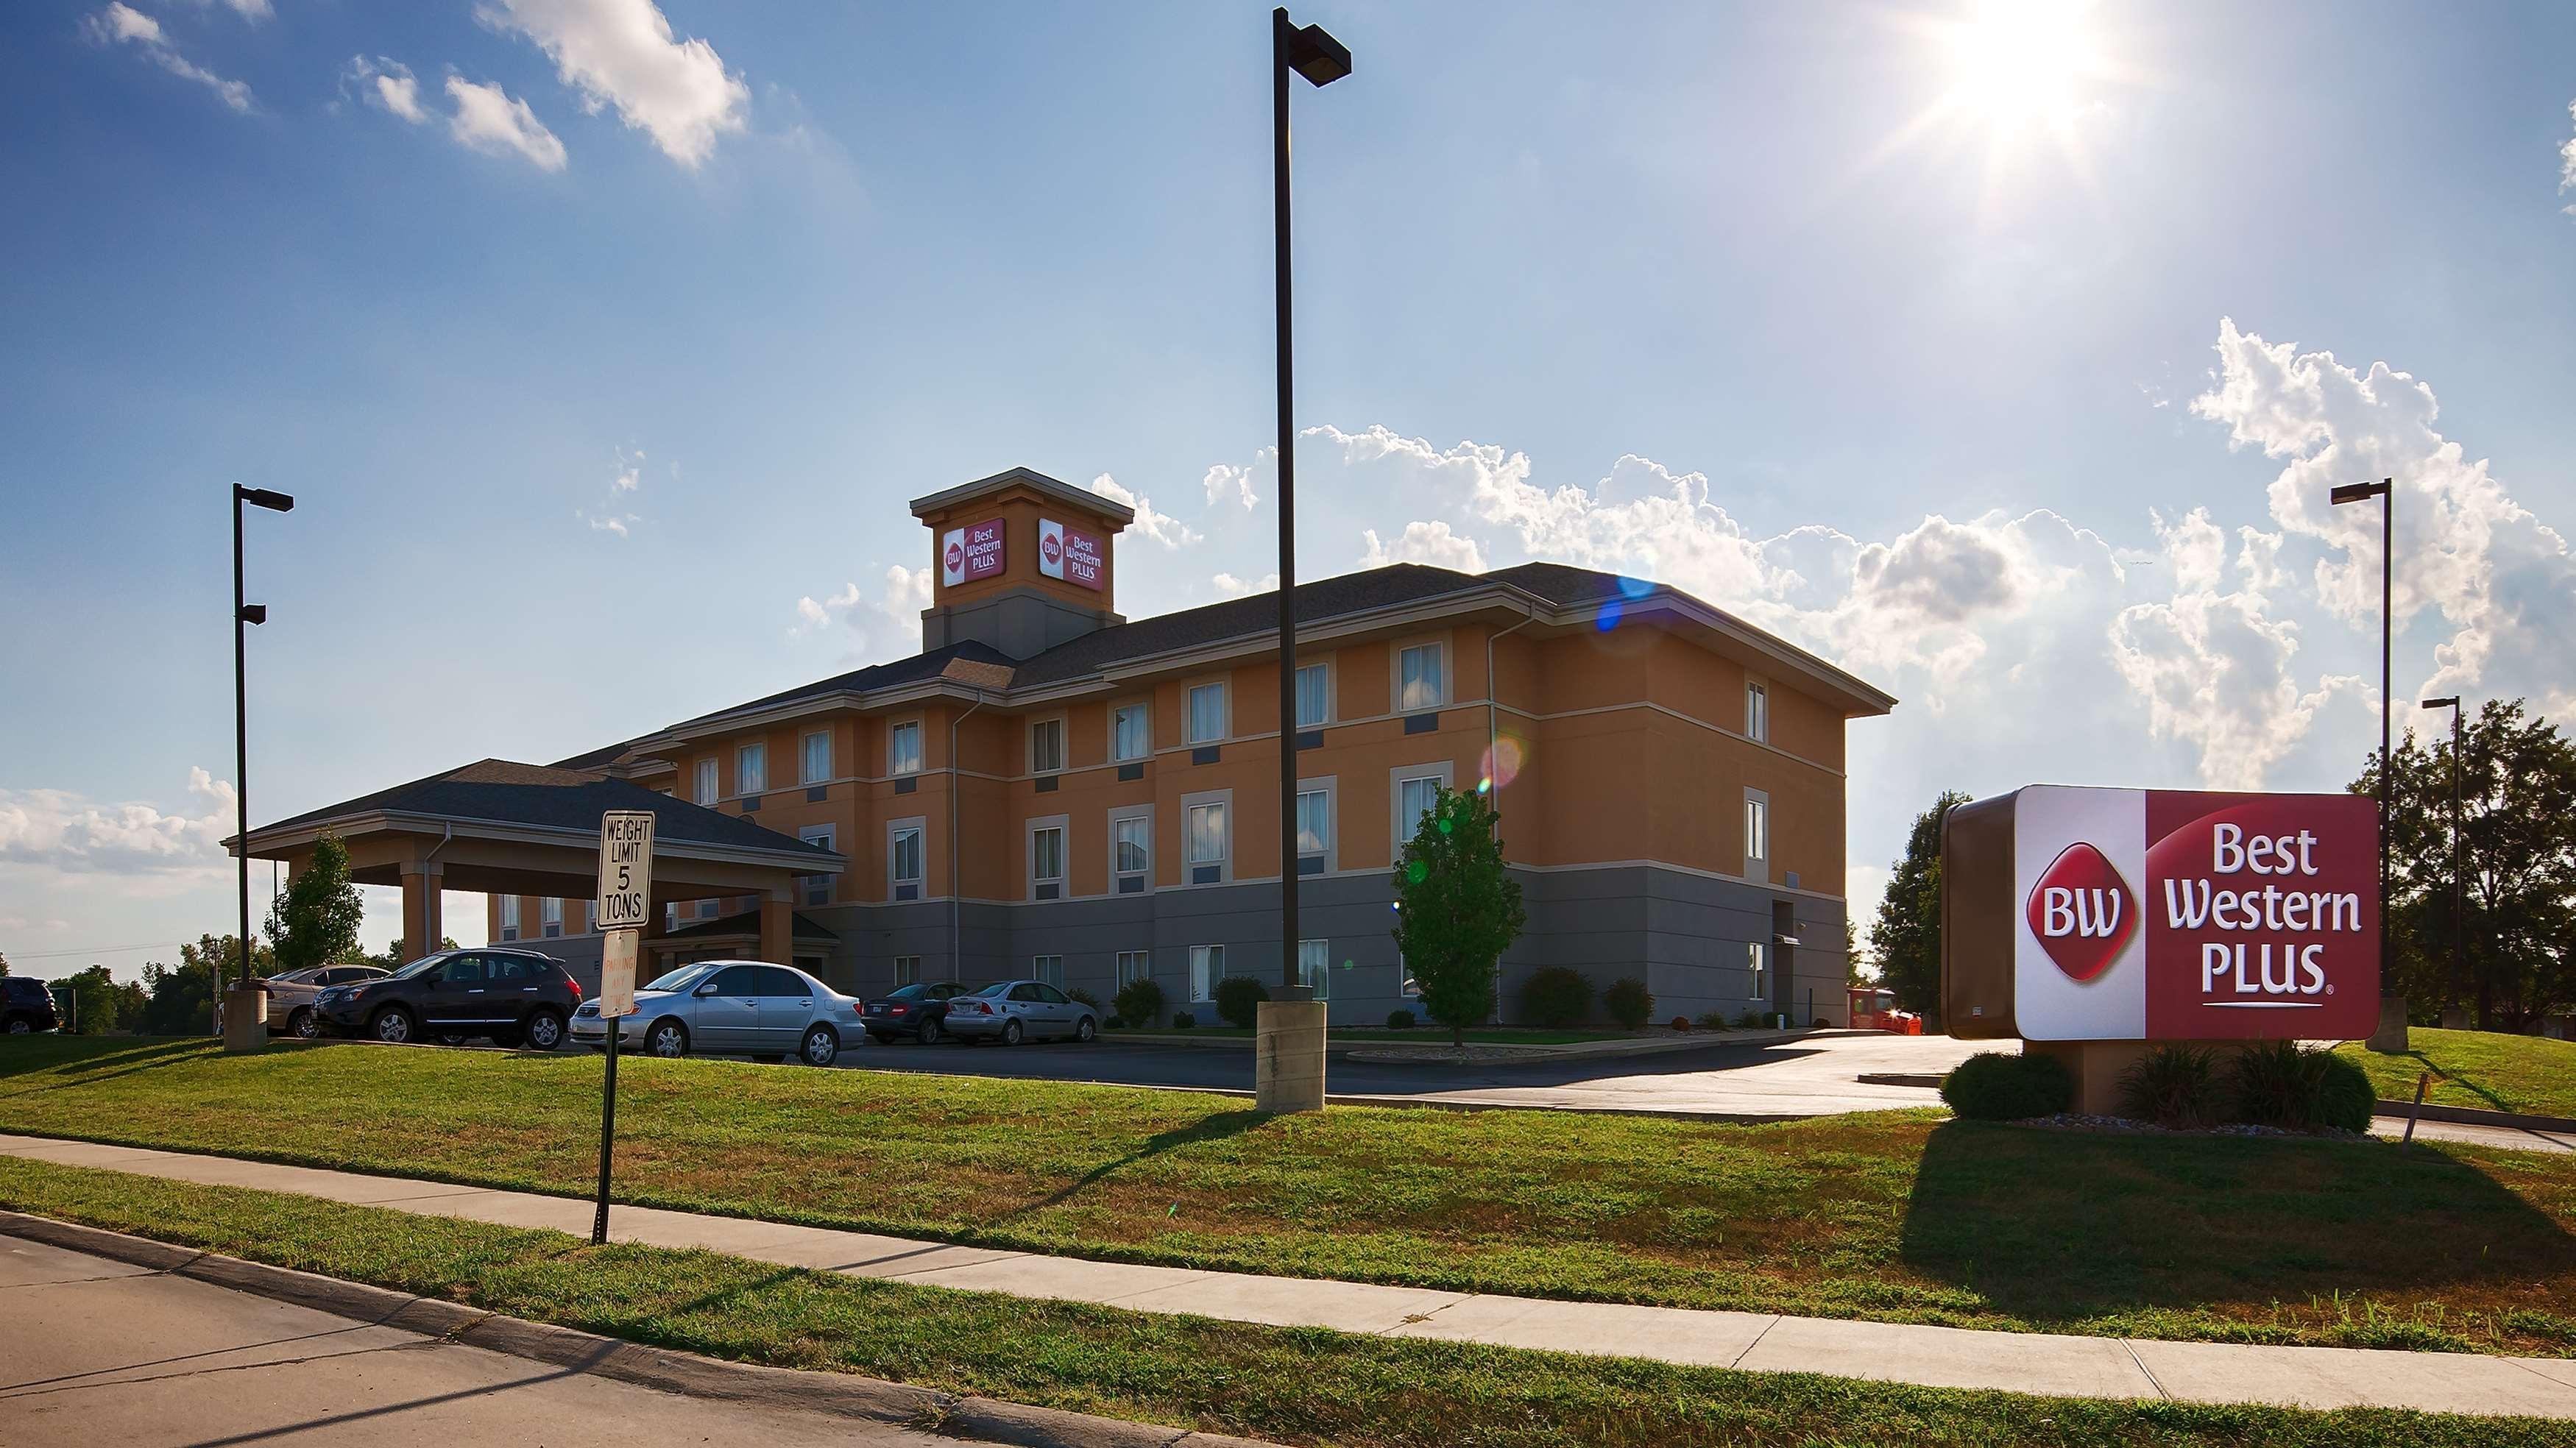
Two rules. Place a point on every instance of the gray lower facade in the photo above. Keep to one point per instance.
(1686, 935)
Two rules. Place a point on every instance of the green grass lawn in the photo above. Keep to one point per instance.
(1422, 1035)
(1288, 1384)
(1898, 1216)
(2485, 1069)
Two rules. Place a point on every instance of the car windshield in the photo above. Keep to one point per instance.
(997, 989)
(911, 992)
(425, 963)
(681, 979)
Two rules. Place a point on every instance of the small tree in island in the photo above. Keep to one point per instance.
(316, 921)
(1457, 909)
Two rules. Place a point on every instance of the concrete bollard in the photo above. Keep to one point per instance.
(2390, 1038)
(1289, 1064)
(245, 1016)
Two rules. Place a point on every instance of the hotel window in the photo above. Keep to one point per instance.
(1416, 789)
(1315, 967)
(1757, 964)
(1208, 841)
(751, 769)
(903, 748)
(1130, 733)
(509, 917)
(1135, 965)
(903, 859)
(1207, 967)
(1207, 713)
(550, 916)
(706, 781)
(1421, 678)
(1046, 862)
(1048, 968)
(1757, 710)
(907, 970)
(1757, 835)
(1314, 694)
(710, 909)
(818, 756)
(1314, 829)
(815, 889)
(1046, 746)
(1131, 852)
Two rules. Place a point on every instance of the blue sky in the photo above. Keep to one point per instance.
(2004, 359)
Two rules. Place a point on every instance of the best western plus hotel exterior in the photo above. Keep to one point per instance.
(1048, 789)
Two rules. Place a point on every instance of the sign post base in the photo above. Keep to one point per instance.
(2390, 1038)
(245, 1016)
(1289, 1069)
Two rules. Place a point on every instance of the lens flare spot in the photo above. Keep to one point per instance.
(1503, 763)
(1610, 612)
(1636, 587)
(1416, 871)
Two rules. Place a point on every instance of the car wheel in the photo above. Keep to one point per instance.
(1010, 1033)
(21, 1026)
(821, 1046)
(393, 1025)
(881, 1038)
(453, 1038)
(928, 1033)
(302, 1025)
(1086, 1030)
(668, 1039)
(544, 1030)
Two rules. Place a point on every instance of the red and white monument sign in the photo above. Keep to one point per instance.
(971, 552)
(1070, 553)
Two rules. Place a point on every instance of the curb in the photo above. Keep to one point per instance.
(842, 1395)
(1371, 1046)
(2475, 1116)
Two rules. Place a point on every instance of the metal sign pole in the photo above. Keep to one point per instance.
(625, 900)
(607, 1129)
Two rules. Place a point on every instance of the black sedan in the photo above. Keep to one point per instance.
(515, 997)
(919, 1010)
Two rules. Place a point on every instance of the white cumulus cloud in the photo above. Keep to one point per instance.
(122, 24)
(1163, 528)
(490, 120)
(62, 830)
(885, 627)
(1232, 587)
(386, 84)
(2567, 161)
(622, 53)
(1422, 542)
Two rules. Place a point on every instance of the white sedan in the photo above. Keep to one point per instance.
(731, 1007)
(1011, 1011)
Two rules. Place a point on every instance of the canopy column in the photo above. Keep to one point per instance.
(777, 928)
(424, 924)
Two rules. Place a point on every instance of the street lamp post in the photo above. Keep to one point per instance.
(2459, 880)
(2386, 491)
(244, 614)
(1313, 53)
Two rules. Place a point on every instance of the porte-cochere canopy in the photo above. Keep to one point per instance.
(505, 828)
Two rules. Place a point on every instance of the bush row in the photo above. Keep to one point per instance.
(2277, 1083)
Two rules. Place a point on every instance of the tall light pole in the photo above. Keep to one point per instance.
(1310, 52)
(2459, 880)
(2386, 491)
(244, 614)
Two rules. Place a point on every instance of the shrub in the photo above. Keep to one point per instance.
(1749, 1021)
(1140, 1003)
(1114, 1023)
(2176, 1086)
(1714, 1021)
(1629, 1003)
(1084, 996)
(1399, 1020)
(1238, 1000)
(1183, 1021)
(1995, 1086)
(2285, 1084)
(1681, 1023)
(1556, 997)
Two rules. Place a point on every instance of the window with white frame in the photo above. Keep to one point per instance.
(710, 909)
(818, 756)
(1209, 840)
(903, 748)
(1314, 694)
(751, 769)
(815, 889)
(1421, 677)
(907, 970)
(1314, 825)
(1048, 968)
(1757, 835)
(1135, 965)
(550, 916)
(1207, 713)
(1207, 967)
(1415, 791)
(1046, 862)
(509, 917)
(707, 780)
(1757, 710)
(1046, 746)
(1131, 733)
(1315, 967)
(903, 858)
(1757, 965)
(1131, 852)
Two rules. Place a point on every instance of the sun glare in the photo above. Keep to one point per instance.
(2023, 84)
(2021, 63)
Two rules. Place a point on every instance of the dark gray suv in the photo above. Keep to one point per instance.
(26, 1006)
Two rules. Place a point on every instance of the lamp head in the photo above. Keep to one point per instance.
(1316, 55)
(2360, 492)
(2452, 702)
(275, 502)
(254, 613)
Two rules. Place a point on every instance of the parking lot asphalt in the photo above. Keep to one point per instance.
(1812, 1076)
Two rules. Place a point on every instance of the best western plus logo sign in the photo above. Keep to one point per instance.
(2258, 915)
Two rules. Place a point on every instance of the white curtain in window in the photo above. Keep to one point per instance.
(907, 854)
(1415, 803)
(752, 773)
(1207, 833)
(1315, 965)
(1207, 713)
(1135, 846)
(1418, 684)
(818, 758)
(1047, 854)
(903, 750)
(1314, 690)
(1314, 821)
(1130, 741)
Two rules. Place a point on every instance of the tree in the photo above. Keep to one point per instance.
(181, 998)
(101, 1003)
(394, 957)
(2518, 850)
(1457, 908)
(1906, 940)
(4, 962)
(316, 921)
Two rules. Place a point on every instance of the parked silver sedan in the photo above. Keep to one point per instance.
(731, 1007)
(290, 996)
(1011, 1011)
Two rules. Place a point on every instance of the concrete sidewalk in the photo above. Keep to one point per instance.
(2093, 1367)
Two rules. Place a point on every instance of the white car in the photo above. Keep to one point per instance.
(731, 1007)
(1011, 1011)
